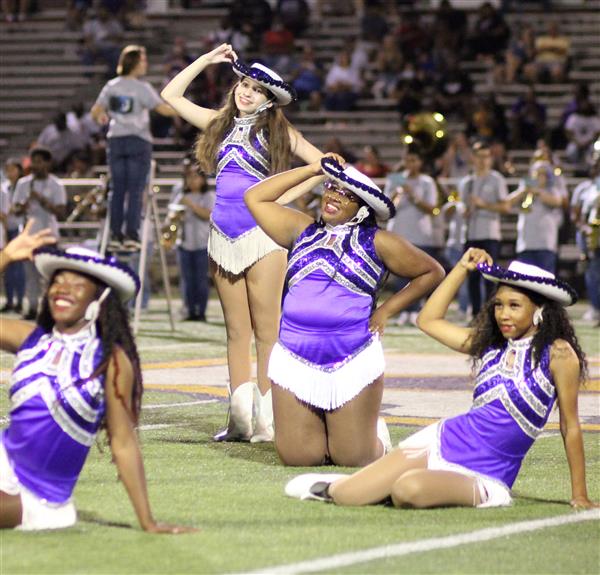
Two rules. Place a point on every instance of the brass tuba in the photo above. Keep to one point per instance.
(92, 204)
(429, 130)
(170, 229)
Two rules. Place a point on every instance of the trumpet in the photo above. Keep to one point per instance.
(92, 203)
(170, 229)
(526, 203)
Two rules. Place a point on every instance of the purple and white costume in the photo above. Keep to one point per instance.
(511, 404)
(55, 411)
(326, 354)
(235, 241)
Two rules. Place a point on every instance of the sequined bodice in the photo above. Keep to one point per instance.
(345, 253)
(526, 392)
(251, 152)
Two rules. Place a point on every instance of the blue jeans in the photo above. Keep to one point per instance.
(453, 256)
(545, 259)
(193, 265)
(592, 280)
(14, 276)
(476, 281)
(401, 283)
(129, 160)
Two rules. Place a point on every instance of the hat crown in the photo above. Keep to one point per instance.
(85, 252)
(267, 71)
(529, 270)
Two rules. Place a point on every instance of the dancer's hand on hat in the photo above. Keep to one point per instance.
(474, 256)
(170, 529)
(222, 53)
(317, 167)
(22, 247)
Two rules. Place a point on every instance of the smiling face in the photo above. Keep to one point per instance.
(249, 95)
(338, 204)
(513, 312)
(69, 295)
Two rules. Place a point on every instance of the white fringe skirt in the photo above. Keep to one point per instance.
(326, 388)
(235, 255)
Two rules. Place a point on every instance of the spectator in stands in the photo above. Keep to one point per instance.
(490, 33)
(540, 203)
(527, 119)
(387, 67)
(520, 53)
(408, 93)
(61, 141)
(456, 161)
(16, 10)
(83, 126)
(124, 104)
(486, 121)
(485, 195)
(415, 197)
(343, 85)
(278, 49)
(197, 201)
(77, 13)
(102, 37)
(14, 278)
(40, 196)
(552, 51)
(371, 165)
(294, 14)
(238, 37)
(307, 79)
(245, 141)
(450, 27)
(412, 37)
(373, 25)
(453, 91)
(335, 146)
(252, 16)
(582, 129)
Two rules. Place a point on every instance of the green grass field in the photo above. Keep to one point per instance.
(234, 494)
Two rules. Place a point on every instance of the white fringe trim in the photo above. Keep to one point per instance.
(329, 389)
(237, 255)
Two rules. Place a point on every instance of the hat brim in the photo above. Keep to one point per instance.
(553, 289)
(382, 206)
(284, 93)
(107, 270)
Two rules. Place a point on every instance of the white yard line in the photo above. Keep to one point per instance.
(425, 545)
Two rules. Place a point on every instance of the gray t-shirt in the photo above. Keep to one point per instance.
(194, 230)
(127, 102)
(537, 228)
(51, 189)
(6, 200)
(456, 225)
(491, 188)
(410, 222)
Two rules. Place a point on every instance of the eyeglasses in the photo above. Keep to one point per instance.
(345, 197)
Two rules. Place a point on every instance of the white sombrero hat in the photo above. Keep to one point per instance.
(273, 82)
(532, 278)
(106, 269)
(361, 185)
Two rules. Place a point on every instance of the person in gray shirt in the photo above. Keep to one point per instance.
(484, 194)
(124, 104)
(40, 197)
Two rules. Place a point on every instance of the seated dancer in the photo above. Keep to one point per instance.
(527, 357)
(76, 371)
(327, 368)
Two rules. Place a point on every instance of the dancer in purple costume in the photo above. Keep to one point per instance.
(246, 140)
(76, 372)
(327, 368)
(527, 357)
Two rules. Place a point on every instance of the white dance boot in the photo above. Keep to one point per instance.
(263, 412)
(383, 433)
(239, 422)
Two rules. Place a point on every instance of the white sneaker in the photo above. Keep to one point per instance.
(383, 434)
(402, 318)
(311, 486)
(591, 314)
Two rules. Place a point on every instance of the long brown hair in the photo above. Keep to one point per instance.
(273, 122)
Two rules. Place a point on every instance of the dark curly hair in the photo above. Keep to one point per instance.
(114, 330)
(555, 325)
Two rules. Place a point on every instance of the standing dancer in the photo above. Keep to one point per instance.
(246, 140)
(527, 357)
(327, 368)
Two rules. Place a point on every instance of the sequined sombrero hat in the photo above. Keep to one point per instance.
(532, 278)
(108, 270)
(269, 79)
(361, 185)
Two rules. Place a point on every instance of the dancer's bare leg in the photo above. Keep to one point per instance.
(431, 488)
(352, 429)
(264, 282)
(11, 510)
(374, 483)
(236, 310)
(301, 437)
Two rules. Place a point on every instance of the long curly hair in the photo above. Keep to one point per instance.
(555, 325)
(272, 121)
(114, 330)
